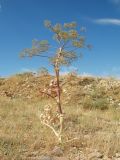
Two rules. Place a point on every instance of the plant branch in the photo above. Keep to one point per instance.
(64, 45)
(61, 124)
(48, 95)
(42, 56)
(72, 50)
(55, 33)
(55, 132)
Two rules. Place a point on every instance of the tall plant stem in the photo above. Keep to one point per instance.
(57, 71)
(58, 90)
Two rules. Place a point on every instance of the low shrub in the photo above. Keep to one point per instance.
(100, 103)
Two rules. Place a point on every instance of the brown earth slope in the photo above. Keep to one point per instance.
(87, 91)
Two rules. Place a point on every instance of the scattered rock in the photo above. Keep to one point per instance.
(106, 158)
(57, 151)
(45, 158)
(117, 155)
(81, 157)
(60, 158)
(33, 154)
(95, 155)
(26, 86)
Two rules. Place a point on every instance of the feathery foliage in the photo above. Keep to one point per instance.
(69, 39)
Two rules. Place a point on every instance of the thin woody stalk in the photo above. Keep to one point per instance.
(58, 91)
(57, 70)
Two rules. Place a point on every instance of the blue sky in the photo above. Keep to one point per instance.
(22, 20)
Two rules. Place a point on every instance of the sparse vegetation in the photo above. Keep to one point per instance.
(22, 136)
(59, 95)
(43, 71)
(91, 112)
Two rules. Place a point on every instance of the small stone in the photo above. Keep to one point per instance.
(95, 154)
(60, 158)
(77, 158)
(33, 154)
(106, 158)
(57, 151)
(99, 155)
(73, 150)
(46, 158)
(117, 155)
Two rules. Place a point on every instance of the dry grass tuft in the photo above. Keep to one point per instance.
(21, 133)
(91, 109)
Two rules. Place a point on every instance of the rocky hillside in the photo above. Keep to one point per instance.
(90, 92)
(89, 132)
